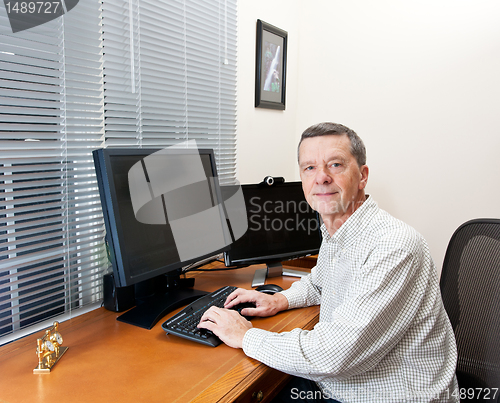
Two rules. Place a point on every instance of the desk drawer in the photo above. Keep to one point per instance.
(264, 388)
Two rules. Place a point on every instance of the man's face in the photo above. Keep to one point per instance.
(332, 181)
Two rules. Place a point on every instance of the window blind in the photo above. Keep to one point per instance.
(51, 117)
(136, 73)
(170, 75)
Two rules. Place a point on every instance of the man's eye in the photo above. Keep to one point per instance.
(308, 168)
(336, 164)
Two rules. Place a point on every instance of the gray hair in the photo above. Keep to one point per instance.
(358, 149)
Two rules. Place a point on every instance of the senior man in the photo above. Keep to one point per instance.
(383, 334)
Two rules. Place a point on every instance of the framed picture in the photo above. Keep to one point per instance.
(270, 71)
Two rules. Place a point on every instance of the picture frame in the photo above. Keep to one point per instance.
(270, 70)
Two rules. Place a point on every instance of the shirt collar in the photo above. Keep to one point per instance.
(354, 226)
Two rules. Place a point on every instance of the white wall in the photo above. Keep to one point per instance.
(418, 81)
(266, 138)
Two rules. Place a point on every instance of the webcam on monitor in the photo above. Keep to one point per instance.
(271, 181)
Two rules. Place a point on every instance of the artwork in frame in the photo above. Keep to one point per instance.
(270, 71)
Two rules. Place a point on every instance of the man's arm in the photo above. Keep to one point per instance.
(305, 292)
(361, 331)
(231, 327)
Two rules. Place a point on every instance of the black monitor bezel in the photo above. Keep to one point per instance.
(229, 260)
(114, 237)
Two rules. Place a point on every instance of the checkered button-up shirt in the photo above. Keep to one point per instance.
(383, 334)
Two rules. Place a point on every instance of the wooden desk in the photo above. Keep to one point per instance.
(110, 361)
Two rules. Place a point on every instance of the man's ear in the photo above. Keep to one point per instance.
(364, 176)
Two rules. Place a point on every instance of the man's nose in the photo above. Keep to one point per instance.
(322, 176)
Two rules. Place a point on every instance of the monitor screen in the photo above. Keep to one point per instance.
(141, 251)
(281, 225)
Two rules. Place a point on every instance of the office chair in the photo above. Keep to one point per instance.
(470, 287)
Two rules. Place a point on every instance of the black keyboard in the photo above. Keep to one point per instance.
(184, 323)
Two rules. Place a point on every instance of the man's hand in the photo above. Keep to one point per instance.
(265, 304)
(227, 325)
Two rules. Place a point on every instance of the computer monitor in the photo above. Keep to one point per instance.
(145, 255)
(281, 226)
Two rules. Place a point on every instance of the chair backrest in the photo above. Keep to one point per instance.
(470, 287)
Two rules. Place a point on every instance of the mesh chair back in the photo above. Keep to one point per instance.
(470, 287)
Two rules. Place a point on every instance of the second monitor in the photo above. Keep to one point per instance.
(281, 226)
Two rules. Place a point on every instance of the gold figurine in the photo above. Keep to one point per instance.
(49, 350)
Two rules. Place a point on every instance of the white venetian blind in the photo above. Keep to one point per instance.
(51, 118)
(136, 73)
(170, 75)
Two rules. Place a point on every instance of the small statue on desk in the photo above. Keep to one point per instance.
(49, 350)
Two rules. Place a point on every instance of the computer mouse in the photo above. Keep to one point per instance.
(269, 288)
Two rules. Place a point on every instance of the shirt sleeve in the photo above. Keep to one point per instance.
(360, 332)
(305, 292)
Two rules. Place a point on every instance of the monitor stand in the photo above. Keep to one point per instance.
(157, 297)
(148, 312)
(274, 269)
